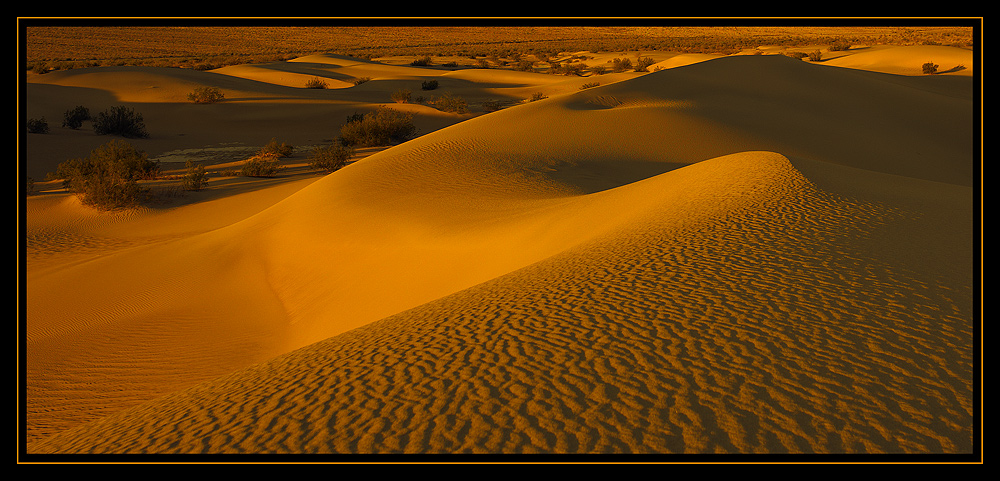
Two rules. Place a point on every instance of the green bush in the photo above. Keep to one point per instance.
(930, 68)
(195, 178)
(264, 164)
(330, 158)
(206, 95)
(38, 126)
(383, 126)
(74, 118)
(108, 178)
(120, 120)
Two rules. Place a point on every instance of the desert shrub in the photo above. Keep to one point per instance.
(840, 44)
(38, 126)
(383, 126)
(429, 85)
(330, 158)
(108, 178)
(195, 178)
(206, 95)
(599, 69)
(491, 105)
(276, 149)
(264, 164)
(316, 83)
(361, 80)
(815, 56)
(525, 66)
(120, 120)
(929, 68)
(642, 64)
(797, 55)
(537, 96)
(74, 118)
(589, 85)
(421, 62)
(620, 64)
(401, 96)
(573, 69)
(450, 103)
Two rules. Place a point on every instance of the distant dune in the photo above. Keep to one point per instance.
(741, 254)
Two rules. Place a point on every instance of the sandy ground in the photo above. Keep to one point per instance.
(743, 254)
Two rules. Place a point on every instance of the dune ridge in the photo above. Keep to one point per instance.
(744, 254)
(615, 346)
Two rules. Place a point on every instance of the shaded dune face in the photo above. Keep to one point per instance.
(634, 268)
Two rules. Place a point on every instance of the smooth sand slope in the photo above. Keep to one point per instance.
(747, 254)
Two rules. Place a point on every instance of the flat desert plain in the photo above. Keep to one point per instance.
(727, 254)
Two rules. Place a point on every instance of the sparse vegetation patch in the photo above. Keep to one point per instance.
(195, 178)
(264, 164)
(384, 126)
(274, 148)
(120, 120)
(108, 178)
(74, 118)
(206, 95)
(316, 83)
(38, 126)
(451, 103)
(330, 158)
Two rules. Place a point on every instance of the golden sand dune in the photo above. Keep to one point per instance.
(908, 60)
(747, 254)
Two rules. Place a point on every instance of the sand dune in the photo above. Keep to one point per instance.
(747, 254)
(908, 60)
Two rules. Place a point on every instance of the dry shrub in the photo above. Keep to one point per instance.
(383, 126)
(195, 178)
(120, 120)
(264, 164)
(206, 95)
(108, 178)
(280, 150)
(330, 158)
